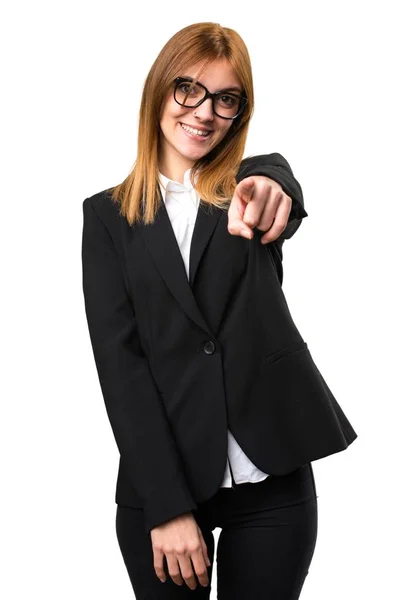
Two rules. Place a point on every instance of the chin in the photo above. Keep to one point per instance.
(192, 155)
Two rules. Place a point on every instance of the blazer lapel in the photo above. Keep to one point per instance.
(207, 220)
(163, 247)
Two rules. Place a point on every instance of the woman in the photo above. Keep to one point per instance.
(216, 404)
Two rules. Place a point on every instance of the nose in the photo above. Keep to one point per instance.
(205, 111)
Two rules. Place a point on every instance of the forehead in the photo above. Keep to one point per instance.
(216, 76)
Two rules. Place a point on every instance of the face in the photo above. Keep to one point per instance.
(181, 144)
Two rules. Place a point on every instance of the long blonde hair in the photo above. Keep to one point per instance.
(138, 196)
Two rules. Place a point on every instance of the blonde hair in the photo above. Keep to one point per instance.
(138, 196)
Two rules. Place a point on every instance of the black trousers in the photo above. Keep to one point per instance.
(265, 547)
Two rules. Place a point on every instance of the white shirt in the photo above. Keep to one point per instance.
(181, 202)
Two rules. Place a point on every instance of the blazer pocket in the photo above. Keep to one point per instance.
(275, 356)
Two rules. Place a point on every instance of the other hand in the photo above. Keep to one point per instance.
(182, 543)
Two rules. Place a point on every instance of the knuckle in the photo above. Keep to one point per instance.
(200, 572)
(280, 224)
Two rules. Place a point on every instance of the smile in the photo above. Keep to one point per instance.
(195, 133)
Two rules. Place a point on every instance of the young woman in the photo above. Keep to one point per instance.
(216, 404)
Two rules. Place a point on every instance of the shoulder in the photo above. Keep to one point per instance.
(102, 217)
(104, 207)
(102, 202)
(271, 165)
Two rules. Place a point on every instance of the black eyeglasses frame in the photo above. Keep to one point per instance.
(212, 95)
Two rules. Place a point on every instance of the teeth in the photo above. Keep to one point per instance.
(195, 131)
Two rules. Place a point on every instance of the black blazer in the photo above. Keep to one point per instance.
(181, 361)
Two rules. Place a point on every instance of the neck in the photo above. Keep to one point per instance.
(174, 167)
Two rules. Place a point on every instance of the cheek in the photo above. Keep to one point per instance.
(224, 129)
(171, 112)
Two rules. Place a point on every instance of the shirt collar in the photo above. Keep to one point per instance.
(169, 185)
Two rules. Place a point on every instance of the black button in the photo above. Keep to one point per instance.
(209, 347)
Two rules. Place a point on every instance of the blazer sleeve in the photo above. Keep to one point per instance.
(134, 407)
(277, 168)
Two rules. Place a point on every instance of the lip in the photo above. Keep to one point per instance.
(197, 127)
(195, 138)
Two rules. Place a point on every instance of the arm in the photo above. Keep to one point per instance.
(277, 168)
(132, 400)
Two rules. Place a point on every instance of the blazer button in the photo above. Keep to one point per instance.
(209, 347)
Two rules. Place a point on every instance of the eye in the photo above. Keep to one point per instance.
(228, 100)
(186, 88)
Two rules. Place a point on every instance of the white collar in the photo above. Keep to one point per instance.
(167, 184)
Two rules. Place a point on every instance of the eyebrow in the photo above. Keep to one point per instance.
(226, 89)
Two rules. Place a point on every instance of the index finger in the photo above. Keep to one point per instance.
(241, 198)
(244, 189)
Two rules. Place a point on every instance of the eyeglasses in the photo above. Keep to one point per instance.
(226, 105)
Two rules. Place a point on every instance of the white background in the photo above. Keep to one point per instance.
(335, 94)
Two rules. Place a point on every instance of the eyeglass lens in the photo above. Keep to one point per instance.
(225, 104)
